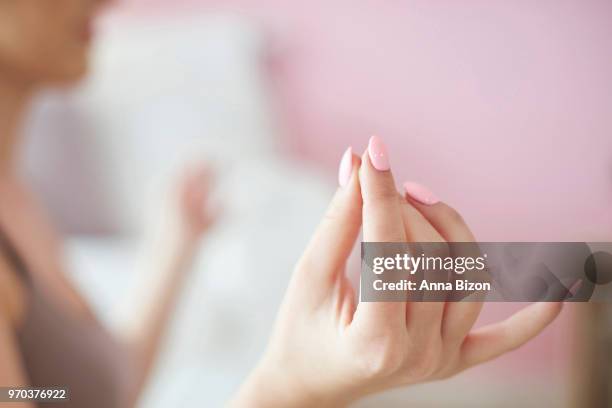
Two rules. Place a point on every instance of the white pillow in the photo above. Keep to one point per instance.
(160, 92)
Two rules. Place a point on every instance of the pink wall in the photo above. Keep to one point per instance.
(503, 108)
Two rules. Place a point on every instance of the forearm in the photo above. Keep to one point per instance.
(153, 303)
(174, 241)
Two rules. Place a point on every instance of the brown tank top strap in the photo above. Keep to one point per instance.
(14, 259)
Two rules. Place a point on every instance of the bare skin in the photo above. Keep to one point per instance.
(328, 350)
(46, 42)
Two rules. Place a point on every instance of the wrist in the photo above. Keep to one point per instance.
(270, 387)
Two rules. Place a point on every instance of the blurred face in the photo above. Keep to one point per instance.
(45, 41)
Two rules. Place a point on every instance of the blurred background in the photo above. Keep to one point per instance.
(503, 108)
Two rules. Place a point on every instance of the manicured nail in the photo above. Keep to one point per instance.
(420, 193)
(346, 167)
(575, 288)
(378, 154)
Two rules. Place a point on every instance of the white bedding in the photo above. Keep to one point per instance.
(230, 300)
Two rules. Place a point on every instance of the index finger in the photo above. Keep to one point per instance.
(382, 222)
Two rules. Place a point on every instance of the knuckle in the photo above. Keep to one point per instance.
(379, 357)
(381, 192)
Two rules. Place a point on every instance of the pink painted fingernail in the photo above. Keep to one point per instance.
(378, 154)
(346, 167)
(420, 193)
(575, 287)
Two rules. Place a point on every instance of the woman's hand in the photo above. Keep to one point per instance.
(193, 216)
(327, 350)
